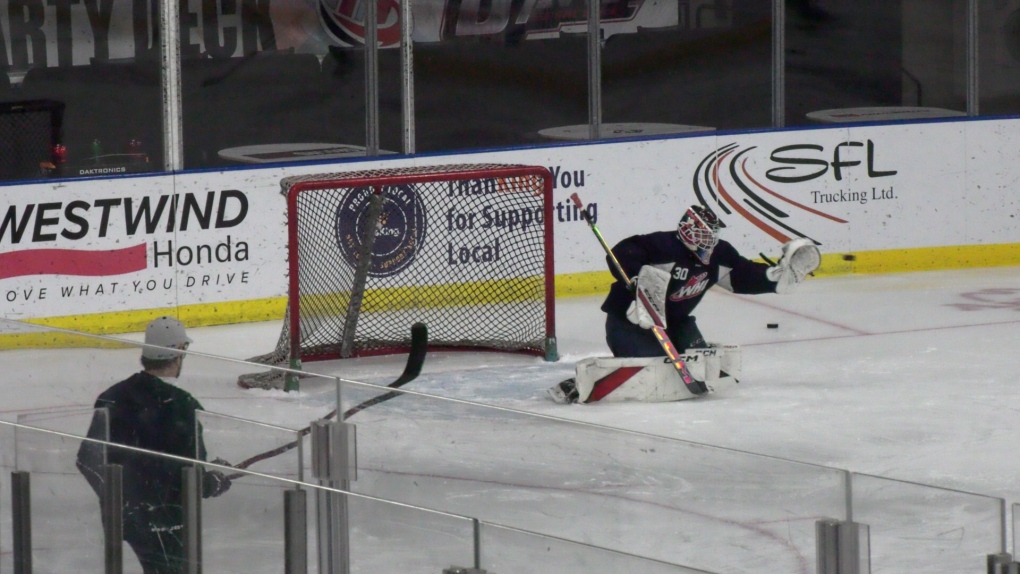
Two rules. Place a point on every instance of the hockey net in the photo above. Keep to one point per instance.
(465, 249)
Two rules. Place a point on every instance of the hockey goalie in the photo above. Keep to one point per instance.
(660, 279)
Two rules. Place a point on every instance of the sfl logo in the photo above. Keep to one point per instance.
(344, 21)
(793, 156)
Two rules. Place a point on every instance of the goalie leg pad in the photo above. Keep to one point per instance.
(720, 360)
(649, 379)
(612, 379)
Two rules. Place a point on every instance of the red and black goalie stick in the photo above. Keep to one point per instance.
(415, 361)
(659, 328)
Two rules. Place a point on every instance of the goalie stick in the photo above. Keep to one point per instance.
(415, 361)
(659, 328)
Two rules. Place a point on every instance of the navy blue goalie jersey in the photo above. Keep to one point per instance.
(689, 277)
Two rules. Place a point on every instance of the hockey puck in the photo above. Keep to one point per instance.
(772, 325)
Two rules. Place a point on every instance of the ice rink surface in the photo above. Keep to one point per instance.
(907, 376)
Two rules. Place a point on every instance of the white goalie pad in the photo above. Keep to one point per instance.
(615, 379)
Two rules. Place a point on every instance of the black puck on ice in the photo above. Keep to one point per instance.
(772, 325)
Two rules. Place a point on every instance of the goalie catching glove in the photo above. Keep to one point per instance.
(800, 257)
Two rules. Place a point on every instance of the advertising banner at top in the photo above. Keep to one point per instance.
(39, 33)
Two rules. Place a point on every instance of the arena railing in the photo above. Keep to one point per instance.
(671, 500)
(674, 500)
(252, 526)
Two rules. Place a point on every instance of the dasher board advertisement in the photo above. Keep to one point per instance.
(892, 198)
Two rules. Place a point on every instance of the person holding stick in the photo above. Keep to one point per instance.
(148, 412)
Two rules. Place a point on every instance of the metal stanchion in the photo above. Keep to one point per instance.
(854, 548)
(842, 547)
(21, 501)
(295, 531)
(334, 463)
(827, 546)
(998, 563)
(191, 493)
(113, 518)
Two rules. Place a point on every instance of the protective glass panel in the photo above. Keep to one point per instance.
(999, 57)
(243, 525)
(91, 364)
(492, 74)
(386, 537)
(264, 448)
(668, 500)
(255, 102)
(84, 94)
(511, 550)
(914, 524)
(851, 61)
(70, 420)
(697, 66)
(66, 525)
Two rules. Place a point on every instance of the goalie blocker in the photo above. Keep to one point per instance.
(654, 379)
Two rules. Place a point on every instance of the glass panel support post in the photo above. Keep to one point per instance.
(113, 518)
(21, 502)
(371, 78)
(407, 74)
(778, 63)
(842, 547)
(191, 493)
(827, 546)
(854, 548)
(334, 464)
(295, 531)
(999, 563)
(594, 69)
(170, 55)
(973, 92)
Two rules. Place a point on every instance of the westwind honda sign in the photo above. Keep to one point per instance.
(75, 251)
(37, 227)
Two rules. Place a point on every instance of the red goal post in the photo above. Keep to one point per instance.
(466, 249)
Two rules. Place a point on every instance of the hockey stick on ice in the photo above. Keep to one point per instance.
(659, 328)
(415, 361)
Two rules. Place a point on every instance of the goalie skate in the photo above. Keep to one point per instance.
(564, 392)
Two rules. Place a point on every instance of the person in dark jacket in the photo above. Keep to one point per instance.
(147, 412)
(684, 264)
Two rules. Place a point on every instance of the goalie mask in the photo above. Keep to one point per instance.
(699, 231)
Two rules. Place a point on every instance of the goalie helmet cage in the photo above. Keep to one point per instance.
(465, 249)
